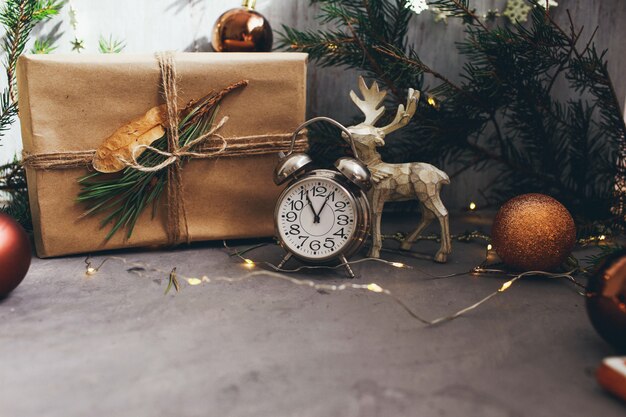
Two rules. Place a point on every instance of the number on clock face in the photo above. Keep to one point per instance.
(316, 218)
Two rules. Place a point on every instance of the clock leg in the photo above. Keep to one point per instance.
(284, 261)
(347, 265)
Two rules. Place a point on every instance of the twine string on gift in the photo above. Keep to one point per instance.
(235, 146)
(176, 211)
(58, 160)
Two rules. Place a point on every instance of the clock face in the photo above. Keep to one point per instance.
(316, 218)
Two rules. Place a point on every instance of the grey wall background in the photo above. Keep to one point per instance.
(153, 25)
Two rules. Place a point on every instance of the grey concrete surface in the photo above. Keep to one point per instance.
(113, 345)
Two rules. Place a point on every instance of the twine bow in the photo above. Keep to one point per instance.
(181, 152)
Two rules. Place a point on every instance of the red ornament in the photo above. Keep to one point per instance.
(606, 299)
(15, 254)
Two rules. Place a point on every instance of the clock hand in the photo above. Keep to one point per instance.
(316, 217)
(322, 208)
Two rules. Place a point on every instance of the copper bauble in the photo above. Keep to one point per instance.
(606, 299)
(533, 232)
(242, 30)
(15, 254)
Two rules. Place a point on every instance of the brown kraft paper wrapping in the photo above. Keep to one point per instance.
(73, 102)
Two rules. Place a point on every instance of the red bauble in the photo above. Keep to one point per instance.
(606, 299)
(15, 254)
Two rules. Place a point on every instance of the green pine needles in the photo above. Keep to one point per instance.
(18, 18)
(110, 45)
(503, 115)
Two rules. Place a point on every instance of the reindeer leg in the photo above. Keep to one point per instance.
(427, 218)
(436, 206)
(378, 203)
(446, 244)
(377, 243)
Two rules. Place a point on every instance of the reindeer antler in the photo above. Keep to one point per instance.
(403, 116)
(372, 98)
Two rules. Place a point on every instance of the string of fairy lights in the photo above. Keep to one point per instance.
(277, 273)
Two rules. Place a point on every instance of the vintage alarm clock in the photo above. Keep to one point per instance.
(323, 215)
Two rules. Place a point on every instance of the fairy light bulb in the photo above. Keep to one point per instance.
(489, 247)
(505, 286)
(248, 263)
(373, 287)
(91, 271)
(472, 206)
(398, 264)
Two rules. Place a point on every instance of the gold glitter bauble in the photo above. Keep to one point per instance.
(533, 232)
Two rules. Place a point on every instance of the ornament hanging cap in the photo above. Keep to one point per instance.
(250, 4)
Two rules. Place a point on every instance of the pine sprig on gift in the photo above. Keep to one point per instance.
(122, 198)
(502, 114)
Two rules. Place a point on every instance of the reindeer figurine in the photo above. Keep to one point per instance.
(398, 182)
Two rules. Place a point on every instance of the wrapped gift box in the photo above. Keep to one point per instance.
(72, 102)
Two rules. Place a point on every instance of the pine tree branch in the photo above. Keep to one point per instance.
(609, 84)
(418, 65)
(567, 58)
(13, 52)
(18, 18)
(377, 69)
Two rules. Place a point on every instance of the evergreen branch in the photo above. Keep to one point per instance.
(19, 209)
(43, 46)
(377, 69)
(419, 65)
(364, 24)
(8, 111)
(45, 9)
(110, 45)
(18, 18)
(12, 178)
(567, 58)
(460, 9)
